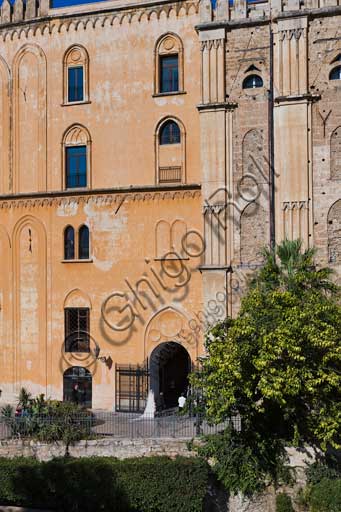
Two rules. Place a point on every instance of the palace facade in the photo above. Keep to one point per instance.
(149, 149)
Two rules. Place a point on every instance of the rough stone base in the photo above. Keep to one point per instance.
(110, 447)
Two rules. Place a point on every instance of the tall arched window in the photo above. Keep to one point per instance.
(76, 75)
(170, 152)
(69, 243)
(252, 82)
(83, 243)
(77, 158)
(168, 73)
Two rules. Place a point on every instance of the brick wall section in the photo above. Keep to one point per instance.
(324, 46)
(249, 48)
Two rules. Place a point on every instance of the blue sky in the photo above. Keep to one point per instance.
(63, 3)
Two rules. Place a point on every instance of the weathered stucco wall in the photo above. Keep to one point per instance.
(222, 202)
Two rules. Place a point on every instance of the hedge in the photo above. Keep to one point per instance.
(325, 496)
(151, 484)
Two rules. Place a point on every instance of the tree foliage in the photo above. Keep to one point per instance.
(278, 364)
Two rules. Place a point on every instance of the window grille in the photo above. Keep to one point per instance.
(77, 329)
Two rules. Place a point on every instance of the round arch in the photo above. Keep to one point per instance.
(77, 386)
(170, 365)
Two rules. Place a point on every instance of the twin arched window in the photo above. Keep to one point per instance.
(252, 82)
(70, 243)
(76, 75)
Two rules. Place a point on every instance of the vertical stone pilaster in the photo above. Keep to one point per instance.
(292, 127)
(216, 122)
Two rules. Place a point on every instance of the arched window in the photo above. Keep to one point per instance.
(170, 152)
(76, 75)
(335, 73)
(168, 65)
(170, 133)
(77, 145)
(83, 243)
(69, 243)
(77, 386)
(252, 82)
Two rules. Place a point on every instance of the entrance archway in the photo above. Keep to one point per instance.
(77, 383)
(169, 366)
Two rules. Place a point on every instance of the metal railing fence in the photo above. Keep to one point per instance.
(102, 424)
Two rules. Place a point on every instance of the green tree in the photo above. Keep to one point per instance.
(278, 364)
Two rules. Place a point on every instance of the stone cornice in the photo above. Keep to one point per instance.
(120, 13)
(101, 196)
(226, 105)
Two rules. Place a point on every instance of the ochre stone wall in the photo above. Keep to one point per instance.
(232, 137)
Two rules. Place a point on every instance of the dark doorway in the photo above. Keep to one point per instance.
(170, 365)
(78, 386)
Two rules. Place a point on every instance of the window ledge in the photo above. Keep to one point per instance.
(71, 103)
(180, 258)
(173, 93)
(76, 189)
(89, 260)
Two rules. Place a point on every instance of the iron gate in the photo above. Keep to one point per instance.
(132, 385)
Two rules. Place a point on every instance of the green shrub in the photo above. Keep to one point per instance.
(155, 484)
(284, 503)
(322, 469)
(325, 496)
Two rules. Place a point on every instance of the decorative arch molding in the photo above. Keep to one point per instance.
(335, 154)
(29, 256)
(334, 233)
(170, 324)
(94, 21)
(168, 44)
(76, 56)
(5, 99)
(171, 159)
(29, 101)
(77, 135)
(76, 298)
(253, 155)
(168, 237)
